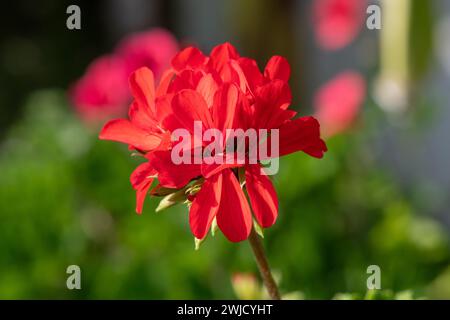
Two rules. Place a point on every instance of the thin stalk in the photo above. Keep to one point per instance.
(263, 266)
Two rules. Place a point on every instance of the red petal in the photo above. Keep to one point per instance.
(188, 106)
(190, 57)
(141, 181)
(279, 117)
(124, 131)
(163, 107)
(209, 170)
(221, 54)
(234, 217)
(205, 206)
(252, 72)
(275, 94)
(141, 116)
(302, 134)
(171, 175)
(246, 114)
(141, 174)
(232, 72)
(186, 79)
(141, 194)
(271, 99)
(278, 68)
(316, 150)
(143, 88)
(263, 196)
(224, 107)
(165, 81)
(207, 87)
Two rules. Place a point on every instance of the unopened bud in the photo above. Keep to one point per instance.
(171, 200)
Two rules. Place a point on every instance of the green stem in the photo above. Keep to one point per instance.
(263, 266)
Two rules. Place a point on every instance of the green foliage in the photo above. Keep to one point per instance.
(65, 199)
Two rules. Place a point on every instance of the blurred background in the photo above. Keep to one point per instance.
(379, 197)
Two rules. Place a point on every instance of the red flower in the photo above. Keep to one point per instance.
(337, 22)
(337, 102)
(102, 91)
(152, 49)
(221, 91)
(142, 131)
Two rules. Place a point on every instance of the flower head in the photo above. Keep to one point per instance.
(152, 49)
(102, 92)
(338, 102)
(337, 22)
(216, 94)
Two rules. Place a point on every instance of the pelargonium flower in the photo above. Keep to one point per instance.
(153, 49)
(337, 22)
(338, 102)
(102, 92)
(221, 91)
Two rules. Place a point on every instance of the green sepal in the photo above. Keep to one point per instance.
(241, 176)
(214, 227)
(160, 191)
(171, 200)
(198, 242)
(259, 230)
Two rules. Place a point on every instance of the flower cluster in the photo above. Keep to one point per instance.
(221, 91)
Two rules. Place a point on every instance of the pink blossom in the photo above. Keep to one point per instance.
(102, 92)
(338, 102)
(152, 49)
(337, 22)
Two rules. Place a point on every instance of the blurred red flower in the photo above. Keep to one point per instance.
(222, 91)
(337, 22)
(102, 92)
(337, 102)
(152, 49)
